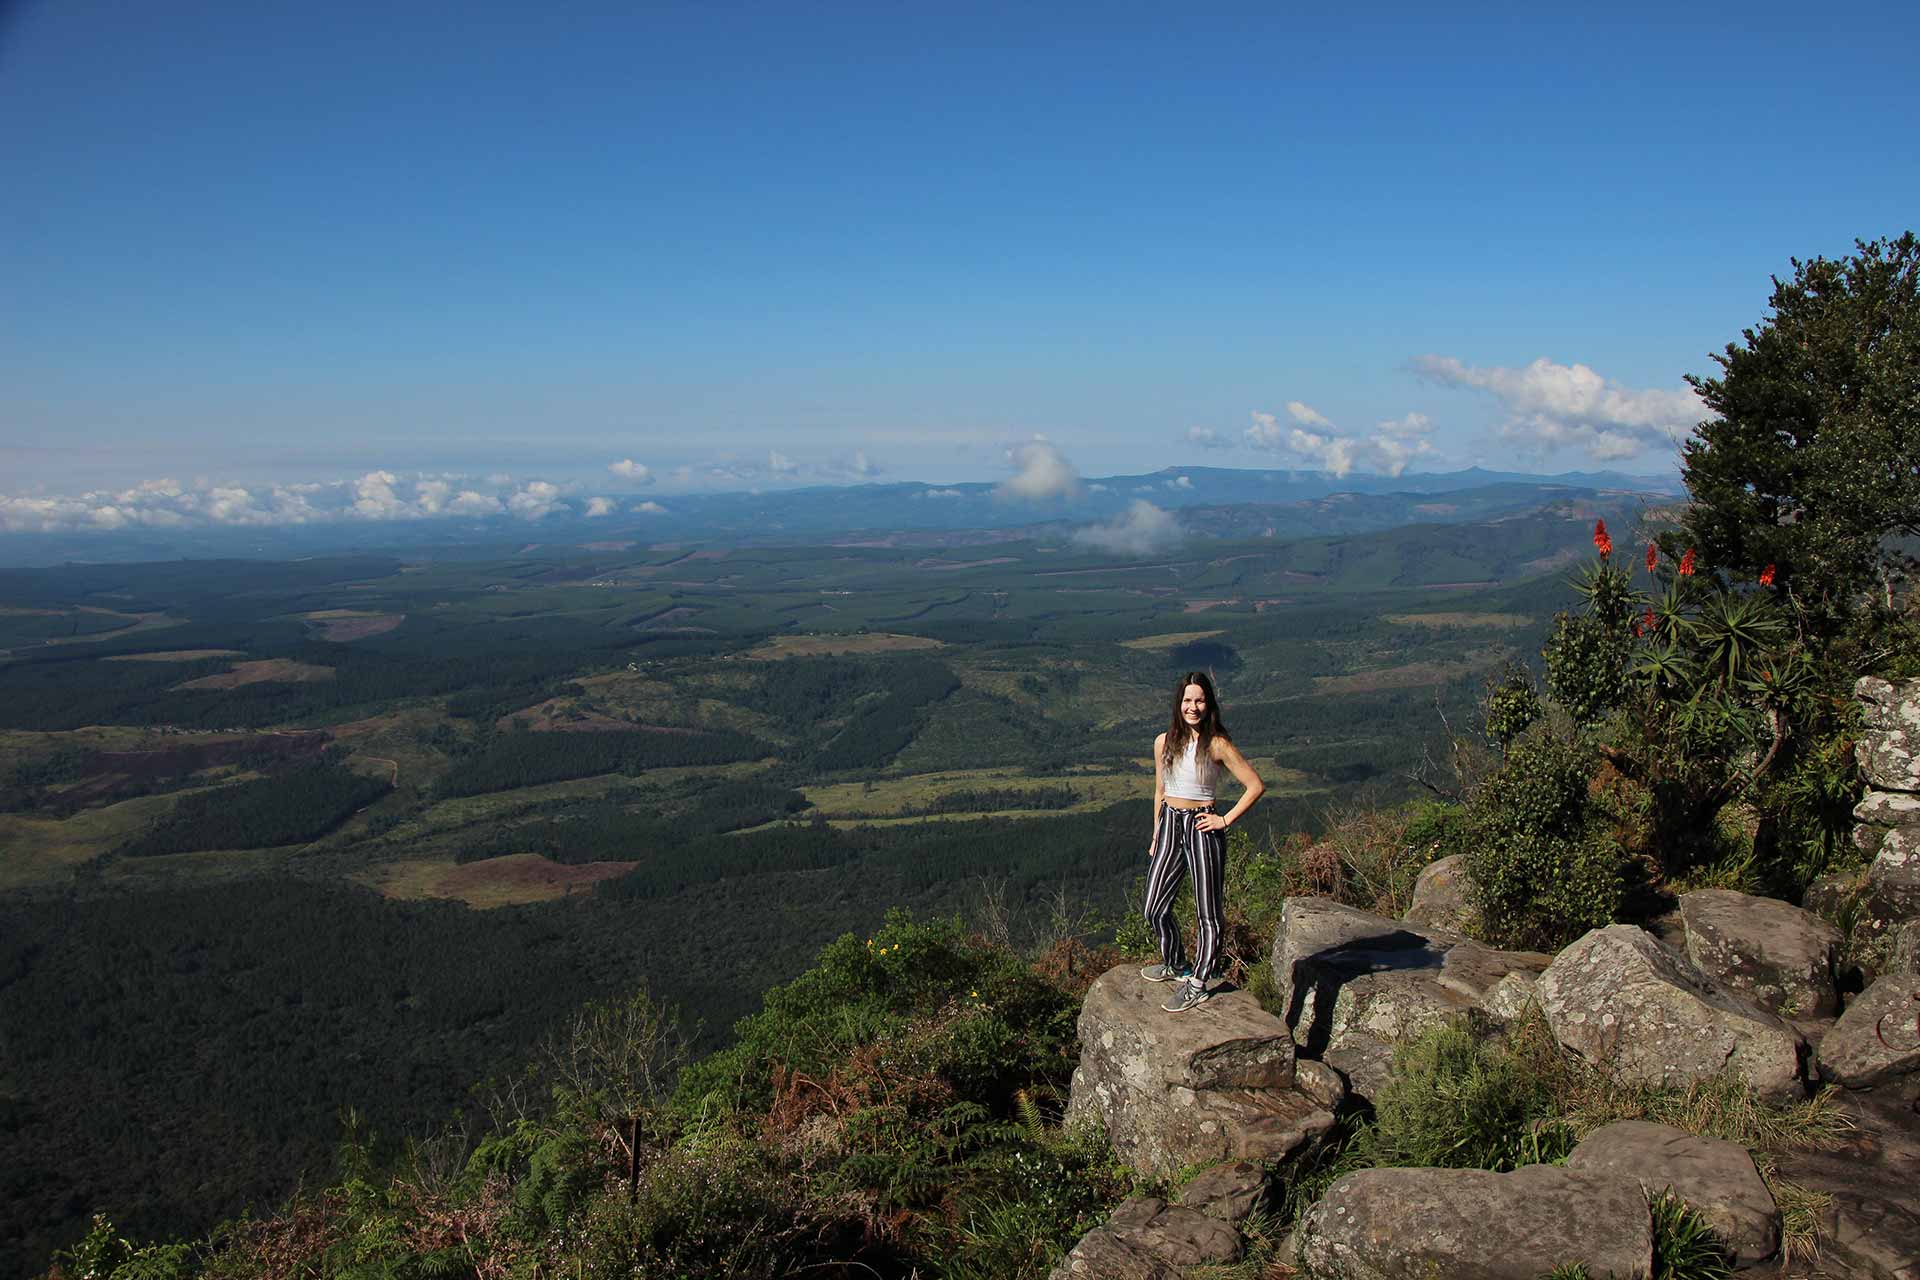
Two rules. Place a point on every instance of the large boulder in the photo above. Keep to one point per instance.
(1354, 983)
(1415, 1224)
(1893, 879)
(1149, 1239)
(1877, 1038)
(1715, 1177)
(1889, 750)
(1775, 954)
(1216, 1083)
(1622, 1001)
(1443, 896)
(1877, 812)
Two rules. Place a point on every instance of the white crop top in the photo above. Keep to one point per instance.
(1187, 777)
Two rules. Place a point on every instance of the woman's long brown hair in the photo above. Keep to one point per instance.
(1211, 726)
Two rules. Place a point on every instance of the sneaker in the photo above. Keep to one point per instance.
(1185, 996)
(1161, 973)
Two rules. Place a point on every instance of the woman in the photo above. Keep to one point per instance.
(1189, 838)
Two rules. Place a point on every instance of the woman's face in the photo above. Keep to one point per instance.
(1193, 705)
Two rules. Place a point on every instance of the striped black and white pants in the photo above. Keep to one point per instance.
(1181, 849)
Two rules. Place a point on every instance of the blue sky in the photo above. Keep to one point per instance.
(252, 244)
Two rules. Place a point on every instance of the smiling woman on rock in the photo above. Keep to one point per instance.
(1189, 837)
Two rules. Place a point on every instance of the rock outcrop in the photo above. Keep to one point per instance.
(1889, 751)
(1771, 952)
(1174, 1090)
(1229, 1192)
(1443, 896)
(1622, 1001)
(1877, 1038)
(1888, 815)
(1354, 983)
(1413, 1224)
(1715, 1177)
(1149, 1239)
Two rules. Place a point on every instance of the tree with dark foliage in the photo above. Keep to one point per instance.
(1811, 461)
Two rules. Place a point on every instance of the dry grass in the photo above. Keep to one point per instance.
(142, 622)
(1722, 1106)
(567, 714)
(937, 565)
(261, 671)
(1500, 620)
(353, 624)
(1154, 644)
(814, 646)
(894, 796)
(492, 882)
(175, 655)
(37, 851)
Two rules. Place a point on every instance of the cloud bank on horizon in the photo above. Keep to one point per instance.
(375, 496)
(1548, 408)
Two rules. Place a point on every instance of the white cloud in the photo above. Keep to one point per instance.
(1180, 482)
(431, 496)
(780, 464)
(597, 507)
(1569, 406)
(537, 500)
(230, 504)
(469, 503)
(1040, 471)
(1306, 415)
(164, 504)
(1094, 486)
(1399, 441)
(1207, 438)
(1314, 438)
(374, 498)
(500, 479)
(648, 509)
(1139, 530)
(939, 493)
(628, 469)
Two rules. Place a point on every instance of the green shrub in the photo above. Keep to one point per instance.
(718, 1211)
(920, 998)
(103, 1254)
(1458, 1101)
(1542, 861)
(1684, 1246)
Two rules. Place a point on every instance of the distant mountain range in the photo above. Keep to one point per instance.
(1212, 501)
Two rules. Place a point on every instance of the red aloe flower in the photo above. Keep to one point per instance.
(1653, 556)
(1646, 622)
(1601, 540)
(1766, 576)
(1639, 627)
(1686, 564)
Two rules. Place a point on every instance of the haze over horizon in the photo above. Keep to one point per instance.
(285, 265)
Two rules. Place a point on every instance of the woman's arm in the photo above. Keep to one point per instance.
(1159, 790)
(1225, 753)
